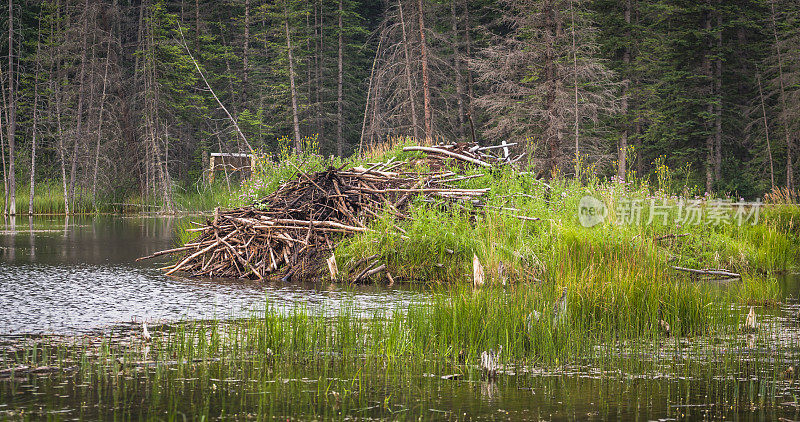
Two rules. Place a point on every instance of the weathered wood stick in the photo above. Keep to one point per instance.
(374, 271)
(670, 236)
(317, 224)
(723, 273)
(495, 147)
(449, 154)
(365, 271)
(174, 250)
(524, 217)
(457, 179)
(428, 190)
(178, 266)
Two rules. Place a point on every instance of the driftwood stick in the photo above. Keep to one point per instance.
(670, 236)
(496, 146)
(722, 273)
(365, 271)
(374, 271)
(458, 179)
(174, 250)
(363, 260)
(178, 266)
(524, 217)
(449, 154)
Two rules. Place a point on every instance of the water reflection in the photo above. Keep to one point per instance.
(67, 275)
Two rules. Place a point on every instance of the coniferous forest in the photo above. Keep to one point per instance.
(112, 98)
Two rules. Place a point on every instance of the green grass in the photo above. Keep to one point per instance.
(290, 359)
(443, 238)
(49, 199)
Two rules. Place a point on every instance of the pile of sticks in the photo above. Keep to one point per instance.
(289, 234)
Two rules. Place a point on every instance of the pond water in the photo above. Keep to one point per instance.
(79, 274)
(78, 278)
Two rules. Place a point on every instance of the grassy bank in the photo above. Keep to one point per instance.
(436, 241)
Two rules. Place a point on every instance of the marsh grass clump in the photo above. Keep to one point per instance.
(330, 363)
(663, 230)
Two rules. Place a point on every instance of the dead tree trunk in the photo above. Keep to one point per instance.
(426, 91)
(79, 113)
(766, 133)
(411, 96)
(245, 51)
(457, 70)
(3, 154)
(710, 105)
(12, 115)
(369, 92)
(295, 118)
(340, 86)
(622, 156)
(55, 89)
(575, 83)
(34, 128)
(718, 105)
(100, 127)
(789, 159)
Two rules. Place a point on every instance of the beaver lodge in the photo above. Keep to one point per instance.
(290, 234)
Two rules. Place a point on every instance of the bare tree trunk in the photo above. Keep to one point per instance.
(468, 48)
(789, 159)
(3, 154)
(426, 91)
(373, 124)
(718, 105)
(245, 51)
(411, 96)
(35, 120)
(575, 82)
(100, 126)
(552, 141)
(710, 105)
(340, 86)
(12, 115)
(318, 63)
(55, 89)
(309, 67)
(61, 149)
(213, 94)
(153, 122)
(637, 132)
(79, 128)
(196, 25)
(622, 157)
(295, 118)
(766, 133)
(369, 92)
(457, 70)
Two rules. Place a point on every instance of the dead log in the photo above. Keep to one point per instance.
(721, 273)
(449, 154)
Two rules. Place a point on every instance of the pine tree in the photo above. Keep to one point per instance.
(544, 81)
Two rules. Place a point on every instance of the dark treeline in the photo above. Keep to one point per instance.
(125, 97)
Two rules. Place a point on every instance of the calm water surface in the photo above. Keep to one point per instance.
(79, 274)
